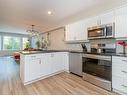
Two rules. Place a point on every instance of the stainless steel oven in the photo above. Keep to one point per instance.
(102, 31)
(97, 70)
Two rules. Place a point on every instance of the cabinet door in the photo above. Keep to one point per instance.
(46, 64)
(65, 61)
(44, 68)
(76, 31)
(121, 22)
(24, 68)
(57, 62)
(107, 18)
(70, 33)
(81, 34)
(34, 67)
(93, 21)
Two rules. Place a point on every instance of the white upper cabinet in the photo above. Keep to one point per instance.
(76, 32)
(121, 22)
(101, 19)
(93, 21)
(107, 18)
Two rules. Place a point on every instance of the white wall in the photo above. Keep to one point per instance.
(57, 41)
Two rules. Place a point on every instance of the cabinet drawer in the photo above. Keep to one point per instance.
(119, 60)
(119, 70)
(119, 84)
(35, 56)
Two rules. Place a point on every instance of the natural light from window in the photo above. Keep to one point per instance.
(25, 41)
(11, 43)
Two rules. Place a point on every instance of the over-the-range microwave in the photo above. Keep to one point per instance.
(101, 31)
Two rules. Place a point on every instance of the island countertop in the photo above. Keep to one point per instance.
(48, 51)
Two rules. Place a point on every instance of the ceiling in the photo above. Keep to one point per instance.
(18, 15)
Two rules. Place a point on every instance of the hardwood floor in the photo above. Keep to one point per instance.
(61, 84)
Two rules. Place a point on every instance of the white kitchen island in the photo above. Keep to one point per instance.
(35, 66)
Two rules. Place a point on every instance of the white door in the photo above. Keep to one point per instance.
(80, 31)
(70, 33)
(76, 31)
(57, 62)
(46, 65)
(121, 22)
(24, 68)
(34, 67)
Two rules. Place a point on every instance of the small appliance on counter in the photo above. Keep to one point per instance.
(103, 48)
(97, 65)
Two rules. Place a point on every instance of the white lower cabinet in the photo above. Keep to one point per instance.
(34, 67)
(119, 85)
(57, 62)
(37, 66)
(119, 74)
(46, 62)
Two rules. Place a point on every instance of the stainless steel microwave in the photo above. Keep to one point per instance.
(102, 31)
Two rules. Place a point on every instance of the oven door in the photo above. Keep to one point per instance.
(96, 33)
(100, 67)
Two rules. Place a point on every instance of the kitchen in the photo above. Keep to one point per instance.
(91, 51)
(99, 64)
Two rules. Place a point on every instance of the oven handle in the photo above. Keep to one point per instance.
(106, 58)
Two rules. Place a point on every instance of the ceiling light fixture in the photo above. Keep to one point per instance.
(32, 31)
(49, 12)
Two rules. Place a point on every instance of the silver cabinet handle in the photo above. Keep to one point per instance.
(52, 55)
(124, 86)
(33, 56)
(124, 60)
(39, 61)
(124, 71)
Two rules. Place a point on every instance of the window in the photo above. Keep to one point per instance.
(25, 42)
(11, 43)
(0, 42)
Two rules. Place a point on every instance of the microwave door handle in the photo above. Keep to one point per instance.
(105, 30)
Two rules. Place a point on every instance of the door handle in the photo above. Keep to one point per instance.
(52, 55)
(40, 61)
(124, 86)
(124, 71)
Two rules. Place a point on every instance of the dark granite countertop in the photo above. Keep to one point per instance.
(108, 54)
(120, 55)
(71, 51)
(48, 51)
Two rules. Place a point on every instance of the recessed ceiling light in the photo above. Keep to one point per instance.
(49, 12)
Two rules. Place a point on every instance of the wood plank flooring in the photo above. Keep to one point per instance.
(61, 84)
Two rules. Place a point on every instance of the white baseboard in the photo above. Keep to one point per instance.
(43, 77)
(119, 92)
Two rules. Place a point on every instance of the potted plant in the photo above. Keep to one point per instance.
(38, 44)
(124, 44)
(28, 45)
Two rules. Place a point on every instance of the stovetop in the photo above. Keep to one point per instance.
(108, 54)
